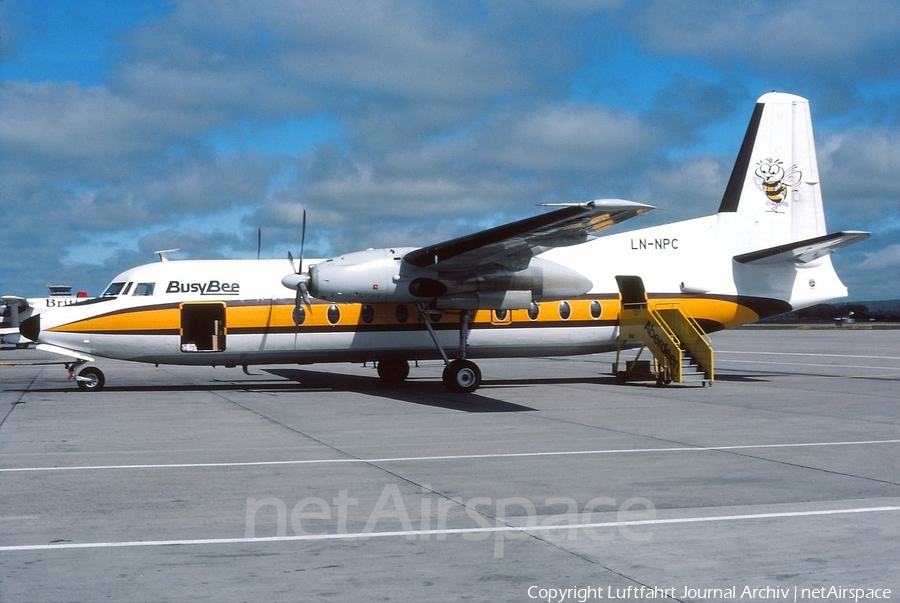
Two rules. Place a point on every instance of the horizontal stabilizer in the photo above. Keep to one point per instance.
(802, 252)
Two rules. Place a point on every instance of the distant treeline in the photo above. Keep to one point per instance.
(860, 312)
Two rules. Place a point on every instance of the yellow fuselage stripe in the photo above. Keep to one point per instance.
(259, 317)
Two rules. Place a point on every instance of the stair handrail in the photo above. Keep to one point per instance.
(693, 337)
(669, 345)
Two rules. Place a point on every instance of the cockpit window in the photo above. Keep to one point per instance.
(126, 289)
(114, 289)
(144, 289)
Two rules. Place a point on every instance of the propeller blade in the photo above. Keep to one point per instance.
(302, 240)
(296, 280)
(303, 291)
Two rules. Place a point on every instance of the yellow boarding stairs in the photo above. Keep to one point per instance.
(681, 350)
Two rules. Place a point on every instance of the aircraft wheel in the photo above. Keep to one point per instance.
(393, 370)
(462, 376)
(91, 379)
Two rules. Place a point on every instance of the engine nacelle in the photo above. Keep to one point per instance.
(487, 300)
(380, 275)
(545, 280)
(369, 276)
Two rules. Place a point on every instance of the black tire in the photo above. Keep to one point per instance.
(95, 379)
(462, 376)
(393, 370)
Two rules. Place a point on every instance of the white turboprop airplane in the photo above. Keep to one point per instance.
(537, 287)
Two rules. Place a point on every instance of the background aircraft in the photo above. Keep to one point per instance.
(15, 309)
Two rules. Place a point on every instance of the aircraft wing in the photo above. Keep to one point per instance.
(513, 245)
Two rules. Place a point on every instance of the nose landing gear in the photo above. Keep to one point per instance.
(88, 379)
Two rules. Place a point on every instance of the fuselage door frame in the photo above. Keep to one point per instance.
(203, 327)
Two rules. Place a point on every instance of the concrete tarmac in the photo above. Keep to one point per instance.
(781, 482)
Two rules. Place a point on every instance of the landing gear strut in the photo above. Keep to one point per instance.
(460, 375)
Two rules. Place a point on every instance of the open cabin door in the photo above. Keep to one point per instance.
(632, 292)
(202, 327)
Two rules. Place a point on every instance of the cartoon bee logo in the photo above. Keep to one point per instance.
(774, 181)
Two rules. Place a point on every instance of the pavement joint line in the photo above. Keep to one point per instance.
(442, 532)
(814, 354)
(834, 366)
(686, 448)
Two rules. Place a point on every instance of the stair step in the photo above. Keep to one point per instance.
(693, 377)
(679, 328)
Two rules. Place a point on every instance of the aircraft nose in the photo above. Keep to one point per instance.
(31, 327)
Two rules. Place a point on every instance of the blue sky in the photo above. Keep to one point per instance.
(131, 126)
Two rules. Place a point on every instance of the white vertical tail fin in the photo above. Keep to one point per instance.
(771, 218)
(774, 187)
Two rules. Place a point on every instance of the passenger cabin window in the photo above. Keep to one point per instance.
(401, 313)
(334, 314)
(367, 314)
(299, 315)
(114, 289)
(144, 289)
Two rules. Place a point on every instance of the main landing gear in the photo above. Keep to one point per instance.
(460, 375)
(393, 370)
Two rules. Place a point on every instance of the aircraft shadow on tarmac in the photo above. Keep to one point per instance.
(427, 393)
(745, 378)
(423, 392)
